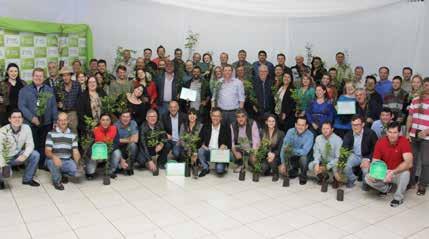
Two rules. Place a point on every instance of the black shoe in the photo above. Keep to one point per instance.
(2, 186)
(59, 186)
(113, 175)
(31, 183)
(384, 194)
(203, 173)
(90, 176)
(396, 203)
(293, 174)
(276, 177)
(365, 187)
(302, 181)
(162, 166)
(64, 179)
(335, 184)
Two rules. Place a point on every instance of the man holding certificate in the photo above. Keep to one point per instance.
(216, 140)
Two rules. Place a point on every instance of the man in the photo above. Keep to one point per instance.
(247, 67)
(372, 94)
(300, 139)
(262, 60)
(248, 129)
(360, 141)
(196, 59)
(171, 123)
(102, 68)
(53, 78)
(167, 89)
(179, 64)
(384, 85)
(395, 151)
(281, 61)
(128, 138)
(344, 71)
(149, 65)
(128, 62)
(358, 78)
(369, 109)
(320, 155)
(77, 67)
(70, 92)
(20, 150)
(262, 85)
(93, 68)
(62, 153)
(407, 73)
(230, 96)
(203, 92)
(380, 126)
(223, 58)
(147, 152)
(186, 75)
(418, 128)
(299, 70)
(40, 117)
(122, 85)
(160, 51)
(213, 136)
(396, 100)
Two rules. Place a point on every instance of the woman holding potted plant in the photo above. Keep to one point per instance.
(275, 136)
(306, 95)
(284, 103)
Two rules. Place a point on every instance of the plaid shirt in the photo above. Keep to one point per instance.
(71, 97)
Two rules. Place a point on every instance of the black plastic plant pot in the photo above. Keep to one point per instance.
(130, 172)
(286, 182)
(255, 177)
(106, 180)
(340, 195)
(156, 172)
(187, 171)
(242, 175)
(6, 171)
(195, 172)
(324, 188)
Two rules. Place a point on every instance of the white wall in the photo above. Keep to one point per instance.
(395, 36)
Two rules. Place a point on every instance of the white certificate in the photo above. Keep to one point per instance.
(188, 94)
(346, 107)
(175, 169)
(219, 155)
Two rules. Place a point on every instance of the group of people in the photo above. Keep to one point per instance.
(294, 108)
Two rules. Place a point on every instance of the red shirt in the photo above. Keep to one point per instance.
(391, 154)
(105, 135)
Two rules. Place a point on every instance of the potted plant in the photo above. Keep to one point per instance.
(250, 94)
(288, 153)
(154, 138)
(59, 93)
(297, 97)
(261, 154)
(190, 142)
(324, 160)
(6, 146)
(246, 149)
(130, 170)
(106, 177)
(86, 140)
(340, 175)
(41, 105)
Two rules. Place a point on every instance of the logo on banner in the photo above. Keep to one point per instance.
(40, 62)
(40, 41)
(52, 40)
(27, 64)
(2, 52)
(12, 52)
(82, 42)
(27, 75)
(73, 51)
(52, 51)
(11, 41)
(26, 40)
(27, 52)
(40, 52)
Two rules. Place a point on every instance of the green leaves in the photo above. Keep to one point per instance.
(297, 97)
(342, 161)
(6, 146)
(42, 103)
(190, 143)
(154, 137)
(326, 154)
(111, 104)
(261, 154)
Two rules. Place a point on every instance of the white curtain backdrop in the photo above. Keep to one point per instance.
(374, 33)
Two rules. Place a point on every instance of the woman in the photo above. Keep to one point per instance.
(306, 93)
(416, 86)
(106, 132)
(191, 126)
(331, 91)
(278, 76)
(150, 93)
(9, 91)
(207, 66)
(136, 106)
(317, 69)
(342, 123)
(89, 104)
(319, 111)
(217, 75)
(272, 133)
(81, 78)
(102, 84)
(285, 105)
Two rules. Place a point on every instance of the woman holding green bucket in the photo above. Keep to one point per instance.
(391, 164)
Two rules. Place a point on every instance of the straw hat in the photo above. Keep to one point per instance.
(66, 70)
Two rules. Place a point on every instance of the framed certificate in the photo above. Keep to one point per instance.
(346, 107)
(188, 94)
(175, 169)
(219, 155)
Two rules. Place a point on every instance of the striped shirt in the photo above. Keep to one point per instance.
(62, 143)
(419, 111)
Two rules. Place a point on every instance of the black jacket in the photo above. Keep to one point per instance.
(369, 139)
(166, 122)
(269, 98)
(84, 107)
(160, 81)
(224, 135)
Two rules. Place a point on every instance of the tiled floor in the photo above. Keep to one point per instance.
(143, 206)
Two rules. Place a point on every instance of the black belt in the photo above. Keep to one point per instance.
(230, 110)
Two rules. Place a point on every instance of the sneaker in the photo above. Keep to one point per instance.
(59, 186)
(238, 169)
(396, 203)
(31, 183)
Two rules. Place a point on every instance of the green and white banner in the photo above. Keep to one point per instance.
(37, 44)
